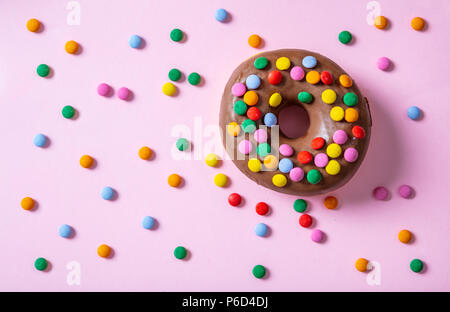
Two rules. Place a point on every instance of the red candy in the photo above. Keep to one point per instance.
(253, 113)
(305, 220)
(326, 77)
(262, 208)
(358, 132)
(317, 143)
(234, 199)
(275, 77)
(304, 157)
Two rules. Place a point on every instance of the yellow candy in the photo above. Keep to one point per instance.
(283, 63)
(279, 180)
(333, 167)
(345, 81)
(329, 96)
(233, 129)
(211, 160)
(270, 162)
(27, 203)
(251, 98)
(275, 99)
(351, 115)
(169, 89)
(254, 165)
(145, 153)
(361, 264)
(86, 161)
(337, 113)
(220, 180)
(313, 77)
(71, 47)
(334, 150)
(33, 25)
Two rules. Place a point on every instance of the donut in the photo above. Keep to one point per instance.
(304, 121)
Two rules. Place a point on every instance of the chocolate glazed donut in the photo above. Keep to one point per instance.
(299, 122)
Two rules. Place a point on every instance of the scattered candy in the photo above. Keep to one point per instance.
(380, 193)
(251, 98)
(263, 149)
(261, 62)
(43, 70)
(350, 99)
(330, 202)
(317, 236)
(304, 157)
(86, 161)
(271, 162)
(275, 99)
(416, 265)
(317, 143)
(254, 164)
(174, 180)
(174, 74)
(326, 77)
(305, 220)
(182, 144)
(253, 82)
(220, 180)
(27, 203)
(234, 199)
(262, 208)
(245, 147)
(383, 63)
(254, 41)
(321, 160)
(309, 61)
(275, 77)
(283, 63)
(103, 89)
(358, 132)
(176, 35)
(238, 89)
(418, 23)
(169, 89)
(107, 193)
(180, 252)
(41, 264)
(333, 167)
(345, 37)
(221, 15)
(313, 77)
(148, 223)
(414, 112)
(65, 231)
(233, 129)
(68, 111)
(253, 113)
(337, 113)
(405, 191)
(259, 271)
(380, 22)
(71, 47)
(279, 180)
(345, 81)
(334, 150)
(145, 153)
(296, 174)
(194, 79)
(104, 251)
(260, 135)
(135, 41)
(300, 205)
(261, 229)
(314, 176)
(297, 73)
(340, 137)
(270, 119)
(211, 160)
(286, 150)
(404, 236)
(361, 264)
(351, 115)
(285, 165)
(40, 140)
(249, 126)
(329, 96)
(123, 93)
(33, 25)
(351, 154)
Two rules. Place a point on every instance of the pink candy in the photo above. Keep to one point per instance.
(238, 89)
(380, 193)
(321, 160)
(123, 93)
(103, 89)
(383, 63)
(297, 73)
(351, 154)
(286, 150)
(296, 174)
(245, 147)
(405, 191)
(260, 135)
(340, 137)
(317, 235)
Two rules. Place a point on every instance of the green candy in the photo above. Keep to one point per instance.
(261, 62)
(350, 99)
(180, 252)
(174, 74)
(68, 111)
(345, 37)
(40, 264)
(194, 79)
(182, 144)
(43, 70)
(176, 35)
(249, 126)
(416, 265)
(314, 176)
(300, 205)
(240, 108)
(263, 149)
(259, 271)
(305, 97)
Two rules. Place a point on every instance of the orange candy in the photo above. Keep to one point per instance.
(313, 77)
(330, 202)
(254, 41)
(145, 153)
(174, 180)
(27, 203)
(233, 129)
(380, 22)
(251, 98)
(351, 115)
(361, 264)
(104, 251)
(345, 81)
(86, 161)
(71, 47)
(404, 236)
(33, 25)
(418, 23)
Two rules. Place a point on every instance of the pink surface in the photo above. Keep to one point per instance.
(223, 248)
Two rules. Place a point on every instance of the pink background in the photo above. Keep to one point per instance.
(220, 238)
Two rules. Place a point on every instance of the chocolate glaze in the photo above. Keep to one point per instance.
(319, 117)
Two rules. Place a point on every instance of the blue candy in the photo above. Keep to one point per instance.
(148, 222)
(261, 229)
(285, 165)
(65, 231)
(40, 140)
(135, 41)
(270, 119)
(107, 193)
(253, 82)
(414, 112)
(309, 61)
(221, 15)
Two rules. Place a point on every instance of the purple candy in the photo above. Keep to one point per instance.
(383, 63)
(405, 191)
(351, 154)
(380, 193)
(238, 89)
(123, 93)
(340, 137)
(286, 150)
(297, 73)
(296, 174)
(103, 89)
(321, 160)
(245, 147)
(317, 236)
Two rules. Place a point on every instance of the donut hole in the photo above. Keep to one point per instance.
(293, 121)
